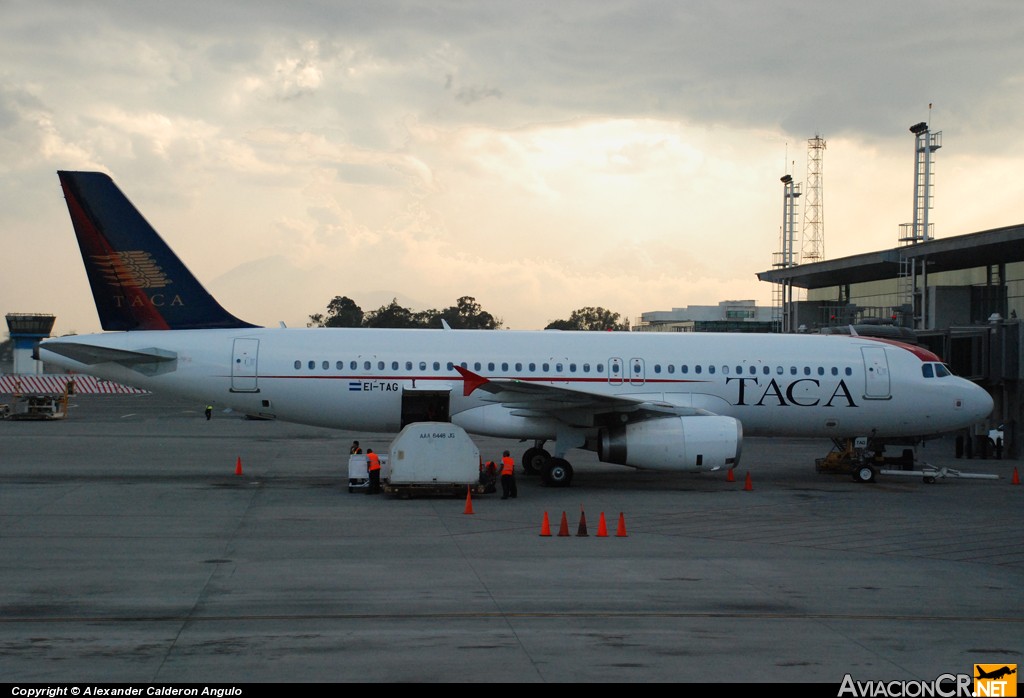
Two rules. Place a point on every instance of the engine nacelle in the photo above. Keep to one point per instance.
(674, 443)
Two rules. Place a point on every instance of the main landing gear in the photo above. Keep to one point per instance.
(554, 471)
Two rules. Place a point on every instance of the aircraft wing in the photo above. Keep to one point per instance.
(577, 407)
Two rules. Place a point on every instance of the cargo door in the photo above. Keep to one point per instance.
(243, 366)
(425, 406)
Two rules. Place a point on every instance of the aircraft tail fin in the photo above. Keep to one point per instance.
(137, 281)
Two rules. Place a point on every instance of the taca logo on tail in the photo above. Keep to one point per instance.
(138, 283)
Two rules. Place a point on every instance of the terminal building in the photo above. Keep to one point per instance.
(727, 316)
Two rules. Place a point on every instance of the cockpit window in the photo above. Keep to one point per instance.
(941, 371)
(927, 371)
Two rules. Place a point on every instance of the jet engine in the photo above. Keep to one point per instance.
(695, 443)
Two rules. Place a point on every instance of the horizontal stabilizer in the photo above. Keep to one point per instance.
(90, 354)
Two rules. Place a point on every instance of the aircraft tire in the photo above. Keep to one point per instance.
(864, 473)
(534, 460)
(557, 473)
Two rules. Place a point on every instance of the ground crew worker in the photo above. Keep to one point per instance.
(355, 450)
(209, 412)
(508, 476)
(373, 470)
(488, 476)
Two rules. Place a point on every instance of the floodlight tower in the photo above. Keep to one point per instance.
(913, 295)
(814, 211)
(783, 310)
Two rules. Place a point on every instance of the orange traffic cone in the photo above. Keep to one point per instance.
(545, 527)
(469, 501)
(563, 529)
(748, 485)
(582, 530)
(730, 477)
(621, 532)
(1016, 477)
(602, 527)
(238, 466)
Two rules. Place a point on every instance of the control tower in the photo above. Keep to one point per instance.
(27, 330)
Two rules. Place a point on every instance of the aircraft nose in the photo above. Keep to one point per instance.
(978, 403)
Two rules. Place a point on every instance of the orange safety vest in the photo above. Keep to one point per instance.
(372, 462)
(508, 466)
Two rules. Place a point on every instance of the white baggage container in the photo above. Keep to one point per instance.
(432, 458)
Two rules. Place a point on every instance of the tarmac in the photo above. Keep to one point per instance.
(132, 552)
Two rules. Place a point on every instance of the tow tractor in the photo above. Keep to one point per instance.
(865, 461)
(38, 407)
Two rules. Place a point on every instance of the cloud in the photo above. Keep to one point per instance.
(612, 152)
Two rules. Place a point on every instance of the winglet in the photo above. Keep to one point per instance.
(470, 381)
(137, 281)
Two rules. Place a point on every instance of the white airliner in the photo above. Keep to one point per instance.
(660, 401)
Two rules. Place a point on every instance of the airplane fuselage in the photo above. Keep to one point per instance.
(356, 379)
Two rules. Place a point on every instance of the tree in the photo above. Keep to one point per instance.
(467, 314)
(391, 315)
(342, 311)
(591, 319)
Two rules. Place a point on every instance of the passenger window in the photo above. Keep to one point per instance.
(504, 367)
(586, 368)
(835, 371)
(423, 365)
(325, 365)
(711, 369)
(451, 366)
(671, 368)
(684, 369)
(558, 368)
(533, 367)
(849, 371)
(657, 368)
(519, 367)
(807, 370)
(792, 370)
(779, 370)
(572, 368)
(312, 364)
(599, 368)
(353, 365)
(767, 370)
(339, 365)
(546, 367)
(298, 365)
(380, 365)
(366, 365)
(408, 365)
(696, 369)
(476, 366)
(464, 365)
(821, 370)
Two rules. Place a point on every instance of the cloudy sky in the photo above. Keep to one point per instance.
(540, 157)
